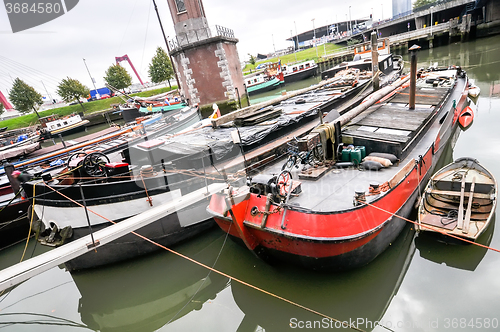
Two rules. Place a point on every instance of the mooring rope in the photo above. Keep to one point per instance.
(343, 323)
(430, 227)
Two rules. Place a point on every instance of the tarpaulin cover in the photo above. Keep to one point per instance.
(220, 141)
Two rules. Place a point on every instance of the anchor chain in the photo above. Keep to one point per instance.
(255, 211)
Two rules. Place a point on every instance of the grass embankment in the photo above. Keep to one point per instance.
(92, 107)
(308, 54)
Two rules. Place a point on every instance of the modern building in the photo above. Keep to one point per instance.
(327, 33)
(206, 60)
(401, 8)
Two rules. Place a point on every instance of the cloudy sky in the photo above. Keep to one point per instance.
(101, 30)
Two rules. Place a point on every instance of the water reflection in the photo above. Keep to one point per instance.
(147, 294)
(265, 96)
(362, 293)
(457, 255)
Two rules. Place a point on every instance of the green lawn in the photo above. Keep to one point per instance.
(308, 54)
(92, 107)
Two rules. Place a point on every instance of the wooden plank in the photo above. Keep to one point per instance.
(455, 193)
(460, 222)
(423, 97)
(315, 173)
(465, 230)
(438, 221)
(370, 135)
(394, 117)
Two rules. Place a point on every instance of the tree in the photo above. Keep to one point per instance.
(1, 108)
(70, 89)
(160, 68)
(24, 97)
(420, 3)
(252, 59)
(118, 77)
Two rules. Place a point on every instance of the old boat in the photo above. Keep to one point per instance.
(261, 83)
(52, 125)
(460, 199)
(19, 143)
(362, 59)
(166, 167)
(14, 208)
(14, 225)
(299, 71)
(330, 215)
(139, 107)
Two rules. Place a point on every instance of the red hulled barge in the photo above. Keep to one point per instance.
(342, 212)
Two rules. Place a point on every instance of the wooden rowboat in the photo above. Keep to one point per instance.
(447, 207)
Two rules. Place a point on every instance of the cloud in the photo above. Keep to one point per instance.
(101, 30)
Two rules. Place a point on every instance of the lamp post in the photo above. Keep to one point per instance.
(294, 50)
(274, 47)
(296, 35)
(350, 23)
(314, 36)
(382, 6)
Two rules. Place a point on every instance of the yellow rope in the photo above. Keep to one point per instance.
(430, 227)
(344, 324)
(31, 221)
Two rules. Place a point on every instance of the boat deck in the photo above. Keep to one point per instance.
(60, 146)
(389, 127)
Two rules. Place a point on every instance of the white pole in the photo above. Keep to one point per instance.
(431, 20)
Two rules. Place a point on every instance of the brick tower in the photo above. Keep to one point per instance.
(206, 60)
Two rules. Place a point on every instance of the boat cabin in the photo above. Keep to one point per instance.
(52, 122)
(255, 80)
(288, 69)
(365, 49)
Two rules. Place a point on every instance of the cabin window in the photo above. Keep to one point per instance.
(284, 68)
(301, 67)
(65, 122)
(295, 69)
(390, 62)
(307, 65)
(58, 124)
(385, 65)
(255, 80)
(181, 7)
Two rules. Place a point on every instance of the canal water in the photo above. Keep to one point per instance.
(417, 284)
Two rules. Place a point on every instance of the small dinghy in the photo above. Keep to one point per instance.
(460, 199)
(474, 90)
(465, 118)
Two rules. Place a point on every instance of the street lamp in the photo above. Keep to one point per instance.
(294, 50)
(382, 6)
(431, 19)
(314, 36)
(350, 23)
(296, 35)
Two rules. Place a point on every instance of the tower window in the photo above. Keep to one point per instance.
(181, 7)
